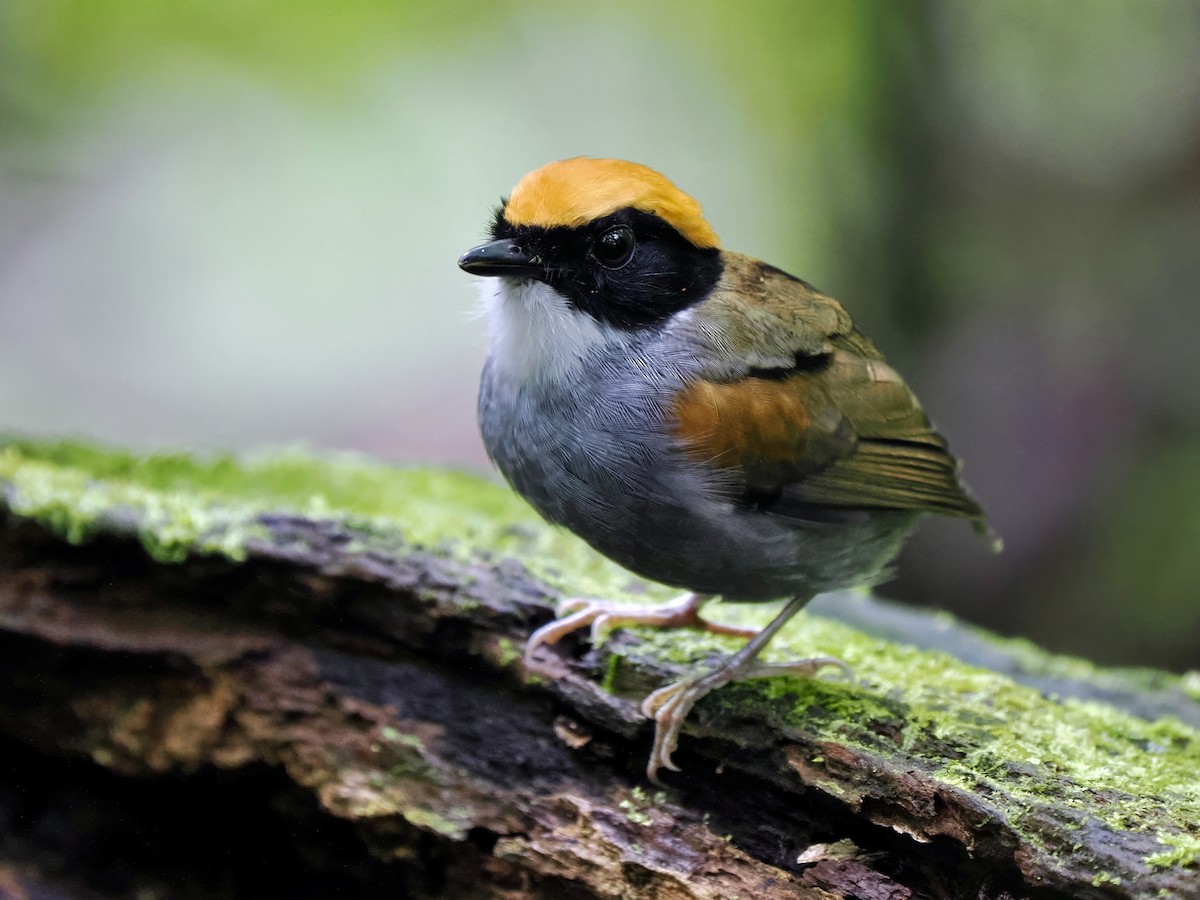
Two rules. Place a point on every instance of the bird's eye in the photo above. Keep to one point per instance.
(613, 248)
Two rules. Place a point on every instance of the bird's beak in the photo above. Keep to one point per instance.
(504, 257)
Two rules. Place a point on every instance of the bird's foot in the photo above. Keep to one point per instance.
(669, 706)
(600, 616)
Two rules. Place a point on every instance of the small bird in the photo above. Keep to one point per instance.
(706, 420)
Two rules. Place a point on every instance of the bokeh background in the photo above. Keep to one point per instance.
(235, 224)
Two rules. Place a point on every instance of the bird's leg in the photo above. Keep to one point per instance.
(670, 705)
(577, 613)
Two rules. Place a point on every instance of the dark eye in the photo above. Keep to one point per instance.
(613, 248)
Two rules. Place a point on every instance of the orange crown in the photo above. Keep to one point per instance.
(572, 192)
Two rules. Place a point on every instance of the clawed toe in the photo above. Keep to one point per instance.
(599, 616)
(669, 706)
(571, 605)
(803, 668)
(572, 615)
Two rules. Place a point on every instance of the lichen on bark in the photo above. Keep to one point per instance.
(1007, 767)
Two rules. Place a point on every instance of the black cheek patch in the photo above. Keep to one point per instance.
(659, 281)
(666, 274)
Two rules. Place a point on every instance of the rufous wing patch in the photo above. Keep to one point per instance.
(831, 424)
(851, 435)
(759, 425)
(573, 192)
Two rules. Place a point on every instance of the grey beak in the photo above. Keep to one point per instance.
(504, 257)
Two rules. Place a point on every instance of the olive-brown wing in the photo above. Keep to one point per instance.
(836, 426)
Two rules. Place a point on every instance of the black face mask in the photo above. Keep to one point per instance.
(629, 269)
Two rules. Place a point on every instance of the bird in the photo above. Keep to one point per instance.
(702, 418)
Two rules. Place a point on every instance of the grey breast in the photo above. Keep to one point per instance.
(597, 456)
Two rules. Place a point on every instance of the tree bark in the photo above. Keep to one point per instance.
(328, 711)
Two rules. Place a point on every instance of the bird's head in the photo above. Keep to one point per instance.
(587, 248)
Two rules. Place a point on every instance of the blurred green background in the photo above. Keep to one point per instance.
(234, 223)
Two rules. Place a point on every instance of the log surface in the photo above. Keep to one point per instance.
(216, 685)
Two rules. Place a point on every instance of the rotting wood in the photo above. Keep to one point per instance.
(383, 687)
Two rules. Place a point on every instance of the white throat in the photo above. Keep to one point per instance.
(534, 332)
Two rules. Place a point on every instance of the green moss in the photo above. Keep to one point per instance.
(610, 672)
(400, 738)
(635, 806)
(980, 730)
(635, 815)
(180, 505)
(1191, 684)
(426, 818)
(510, 652)
(1184, 850)
(967, 726)
(1033, 660)
(971, 727)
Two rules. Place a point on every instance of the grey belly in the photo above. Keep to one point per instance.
(610, 472)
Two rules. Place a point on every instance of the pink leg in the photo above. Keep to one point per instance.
(669, 706)
(600, 616)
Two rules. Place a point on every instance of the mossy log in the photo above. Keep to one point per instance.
(298, 676)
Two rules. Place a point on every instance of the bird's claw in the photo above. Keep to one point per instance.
(669, 706)
(571, 615)
(599, 616)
